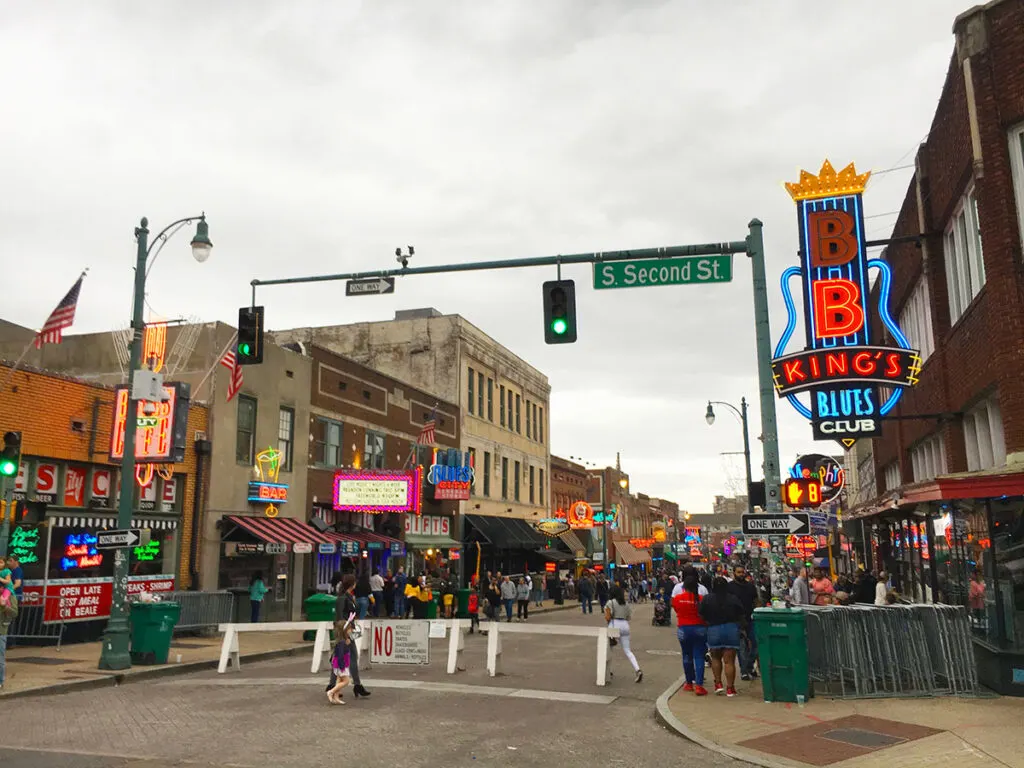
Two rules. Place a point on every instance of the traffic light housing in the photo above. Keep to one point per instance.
(249, 349)
(10, 457)
(802, 493)
(559, 312)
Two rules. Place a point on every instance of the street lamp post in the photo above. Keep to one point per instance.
(114, 653)
(709, 417)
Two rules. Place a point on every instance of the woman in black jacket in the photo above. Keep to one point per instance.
(345, 606)
(723, 612)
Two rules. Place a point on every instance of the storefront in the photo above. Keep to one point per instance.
(429, 543)
(630, 556)
(507, 544)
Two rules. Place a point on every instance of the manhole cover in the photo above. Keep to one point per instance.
(860, 738)
(48, 660)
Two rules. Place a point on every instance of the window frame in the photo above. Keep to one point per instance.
(480, 395)
(540, 475)
(533, 494)
(288, 453)
(528, 432)
(320, 446)
(517, 484)
(470, 390)
(1015, 138)
(540, 423)
(501, 404)
(490, 399)
(984, 418)
(916, 319)
(519, 423)
(487, 474)
(928, 458)
(250, 459)
(371, 460)
(504, 478)
(964, 255)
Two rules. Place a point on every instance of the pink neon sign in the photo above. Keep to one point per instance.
(376, 491)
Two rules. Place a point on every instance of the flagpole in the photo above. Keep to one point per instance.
(213, 367)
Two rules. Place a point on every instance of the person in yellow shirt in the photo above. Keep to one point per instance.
(418, 595)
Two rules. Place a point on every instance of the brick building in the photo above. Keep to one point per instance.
(68, 488)
(948, 471)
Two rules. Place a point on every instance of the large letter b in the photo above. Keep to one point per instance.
(837, 309)
(832, 239)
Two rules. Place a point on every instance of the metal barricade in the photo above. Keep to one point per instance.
(200, 610)
(862, 651)
(29, 623)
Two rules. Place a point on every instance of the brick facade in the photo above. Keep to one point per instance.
(983, 352)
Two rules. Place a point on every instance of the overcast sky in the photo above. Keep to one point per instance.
(319, 136)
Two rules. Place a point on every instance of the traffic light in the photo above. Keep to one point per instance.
(249, 350)
(10, 457)
(559, 312)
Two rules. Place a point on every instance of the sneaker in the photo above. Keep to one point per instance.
(730, 692)
(639, 675)
(719, 689)
(745, 677)
(688, 687)
(700, 690)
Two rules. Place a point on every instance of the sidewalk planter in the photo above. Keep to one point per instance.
(152, 626)
(782, 652)
(318, 607)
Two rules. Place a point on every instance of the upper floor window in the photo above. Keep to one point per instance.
(245, 430)
(916, 320)
(327, 442)
(983, 436)
(1017, 169)
(519, 424)
(501, 403)
(286, 437)
(893, 476)
(540, 424)
(928, 459)
(490, 399)
(965, 265)
(471, 388)
(529, 408)
(373, 455)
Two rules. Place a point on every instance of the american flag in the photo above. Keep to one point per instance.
(427, 433)
(62, 317)
(230, 362)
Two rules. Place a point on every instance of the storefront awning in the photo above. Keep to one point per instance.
(556, 555)
(419, 541)
(278, 530)
(96, 521)
(627, 554)
(573, 543)
(506, 532)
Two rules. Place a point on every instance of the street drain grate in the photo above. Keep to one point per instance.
(47, 660)
(861, 738)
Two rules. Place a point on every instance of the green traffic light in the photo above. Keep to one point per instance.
(245, 349)
(8, 468)
(559, 326)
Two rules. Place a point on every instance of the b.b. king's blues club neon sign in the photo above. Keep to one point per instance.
(842, 368)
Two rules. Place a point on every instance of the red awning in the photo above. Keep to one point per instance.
(337, 538)
(279, 530)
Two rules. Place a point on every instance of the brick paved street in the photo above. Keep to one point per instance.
(273, 714)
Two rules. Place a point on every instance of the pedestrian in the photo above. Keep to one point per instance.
(864, 588)
(722, 612)
(341, 660)
(8, 614)
(345, 607)
(400, 582)
(523, 600)
(800, 593)
(377, 592)
(882, 588)
(602, 590)
(692, 632)
(744, 589)
(419, 596)
(822, 591)
(17, 575)
(257, 591)
(618, 612)
(585, 589)
(508, 596)
(364, 593)
(493, 596)
(388, 603)
(538, 590)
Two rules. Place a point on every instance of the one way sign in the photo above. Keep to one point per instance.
(129, 537)
(371, 287)
(796, 523)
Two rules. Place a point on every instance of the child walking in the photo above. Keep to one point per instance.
(340, 659)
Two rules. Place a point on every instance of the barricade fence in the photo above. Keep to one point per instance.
(861, 651)
(200, 610)
(29, 624)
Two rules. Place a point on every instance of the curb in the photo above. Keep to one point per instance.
(170, 670)
(668, 719)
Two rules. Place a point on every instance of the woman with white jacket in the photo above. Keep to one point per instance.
(881, 588)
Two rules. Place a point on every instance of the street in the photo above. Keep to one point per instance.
(545, 710)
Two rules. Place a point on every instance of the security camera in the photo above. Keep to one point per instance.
(148, 408)
(403, 259)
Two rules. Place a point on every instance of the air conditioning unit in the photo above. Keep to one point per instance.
(199, 435)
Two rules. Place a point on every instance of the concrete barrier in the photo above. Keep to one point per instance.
(496, 629)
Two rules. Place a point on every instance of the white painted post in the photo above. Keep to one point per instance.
(363, 643)
(493, 649)
(456, 644)
(318, 646)
(229, 650)
(602, 656)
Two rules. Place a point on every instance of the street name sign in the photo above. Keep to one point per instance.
(130, 537)
(643, 273)
(795, 523)
(373, 286)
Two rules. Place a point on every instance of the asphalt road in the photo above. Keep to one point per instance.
(544, 710)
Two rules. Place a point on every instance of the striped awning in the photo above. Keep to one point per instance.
(279, 530)
(627, 554)
(110, 522)
(572, 541)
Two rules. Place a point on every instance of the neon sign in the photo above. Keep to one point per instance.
(552, 526)
(149, 552)
(23, 545)
(80, 552)
(840, 368)
(376, 491)
(154, 346)
(161, 427)
(267, 490)
(580, 515)
(823, 470)
(642, 543)
(451, 476)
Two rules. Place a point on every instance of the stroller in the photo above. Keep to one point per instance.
(662, 617)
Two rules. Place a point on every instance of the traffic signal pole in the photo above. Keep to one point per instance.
(752, 245)
(6, 503)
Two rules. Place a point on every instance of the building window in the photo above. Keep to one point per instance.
(327, 442)
(510, 409)
(373, 453)
(540, 421)
(504, 477)
(928, 459)
(533, 497)
(501, 404)
(916, 320)
(892, 475)
(286, 437)
(472, 463)
(542, 499)
(487, 473)
(515, 481)
(536, 434)
(472, 385)
(480, 395)
(1017, 167)
(519, 426)
(245, 431)
(490, 400)
(983, 436)
(528, 405)
(965, 265)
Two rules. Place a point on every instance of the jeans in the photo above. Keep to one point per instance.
(693, 640)
(400, 604)
(3, 659)
(623, 626)
(587, 603)
(378, 603)
(363, 606)
(523, 611)
(748, 650)
(254, 614)
(509, 602)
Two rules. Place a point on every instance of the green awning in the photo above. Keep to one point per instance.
(421, 541)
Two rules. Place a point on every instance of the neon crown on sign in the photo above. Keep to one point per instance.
(828, 183)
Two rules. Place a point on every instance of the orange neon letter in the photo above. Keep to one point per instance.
(837, 310)
(832, 240)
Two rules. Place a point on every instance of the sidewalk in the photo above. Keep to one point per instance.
(45, 669)
(861, 733)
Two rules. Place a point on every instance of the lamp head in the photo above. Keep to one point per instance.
(709, 417)
(201, 245)
(623, 482)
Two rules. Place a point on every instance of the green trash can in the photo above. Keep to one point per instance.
(152, 625)
(319, 607)
(432, 606)
(463, 603)
(782, 653)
